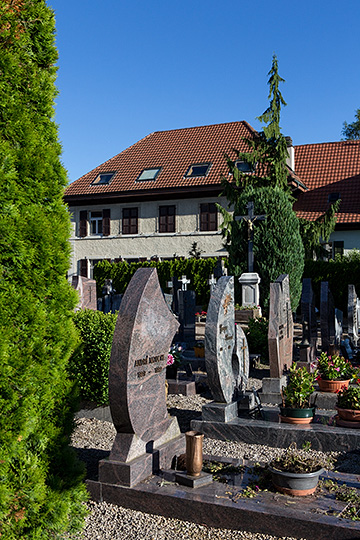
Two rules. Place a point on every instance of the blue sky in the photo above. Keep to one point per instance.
(131, 67)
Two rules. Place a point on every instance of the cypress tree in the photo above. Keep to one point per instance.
(41, 490)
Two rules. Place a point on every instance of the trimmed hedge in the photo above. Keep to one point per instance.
(197, 270)
(89, 364)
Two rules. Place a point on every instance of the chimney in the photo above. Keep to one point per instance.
(291, 153)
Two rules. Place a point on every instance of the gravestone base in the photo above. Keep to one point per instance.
(220, 412)
(193, 481)
(247, 403)
(133, 472)
(271, 389)
(185, 388)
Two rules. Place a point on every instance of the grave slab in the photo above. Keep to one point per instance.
(185, 388)
(220, 505)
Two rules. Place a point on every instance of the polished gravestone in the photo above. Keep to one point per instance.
(353, 323)
(327, 317)
(147, 438)
(226, 355)
(280, 339)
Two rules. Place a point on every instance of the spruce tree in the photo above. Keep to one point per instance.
(278, 248)
(41, 490)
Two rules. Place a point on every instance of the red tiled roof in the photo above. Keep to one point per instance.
(329, 168)
(174, 151)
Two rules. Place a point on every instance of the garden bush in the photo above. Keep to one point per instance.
(257, 337)
(89, 364)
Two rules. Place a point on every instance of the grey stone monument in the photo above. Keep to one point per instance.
(226, 355)
(87, 292)
(147, 438)
(280, 338)
(353, 323)
(327, 317)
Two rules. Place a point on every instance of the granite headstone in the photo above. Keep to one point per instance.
(327, 317)
(353, 323)
(87, 292)
(226, 354)
(281, 330)
(338, 326)
(145, 433)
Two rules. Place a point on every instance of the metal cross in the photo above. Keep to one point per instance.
(250, 219)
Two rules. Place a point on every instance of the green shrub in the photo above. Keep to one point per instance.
(197, 270)
(257, 337)
(89, 365)
(41, 480)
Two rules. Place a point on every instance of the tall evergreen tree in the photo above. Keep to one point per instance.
(351, 132)
(41, 486)
(278, 247)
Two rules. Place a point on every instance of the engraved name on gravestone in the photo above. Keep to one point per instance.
(353, 323)
(308, 314)
(143, 334)
(327, 316)
(281, 330)
(226, 352)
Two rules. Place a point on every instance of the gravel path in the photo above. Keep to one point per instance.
(93, 439)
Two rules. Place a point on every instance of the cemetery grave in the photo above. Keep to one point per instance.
(139, 473)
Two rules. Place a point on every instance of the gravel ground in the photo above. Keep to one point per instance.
(93, 439)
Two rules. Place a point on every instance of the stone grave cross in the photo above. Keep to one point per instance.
(184, 283)
(212, 282)
(250, 219)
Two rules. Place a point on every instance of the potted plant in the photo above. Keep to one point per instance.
(334, 372)
(199, 349)
(296, 407)
(296, 472)
(348, 406)
(173, 361)
(201, 316)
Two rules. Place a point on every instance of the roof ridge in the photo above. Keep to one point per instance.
(330, 142)
(205, 126)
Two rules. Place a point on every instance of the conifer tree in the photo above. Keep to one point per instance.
(278, 248)
(351, 132)
(41, 490)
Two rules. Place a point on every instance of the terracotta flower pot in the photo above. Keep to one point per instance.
(297, 416)
(296, 484)
(348, 418)
(332, 386)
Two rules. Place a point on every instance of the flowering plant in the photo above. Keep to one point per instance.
(249, 306)
(174, 355)
(299, 388)
(349, 398)
(334, 368)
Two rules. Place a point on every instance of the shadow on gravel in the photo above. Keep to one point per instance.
(184, 416)
(91, 458)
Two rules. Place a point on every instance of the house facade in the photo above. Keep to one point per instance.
(158, 197)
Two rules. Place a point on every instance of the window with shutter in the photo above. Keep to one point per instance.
(83, 267)
(83, 223)
(130, 221)
(166, 219)
(208, 217)
(106, 222)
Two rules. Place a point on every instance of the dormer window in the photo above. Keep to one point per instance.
(244, 166)
(333, 197)
(198, 169)
(148, 174)
(103, 179)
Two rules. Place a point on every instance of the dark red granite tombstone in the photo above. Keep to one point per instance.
(142, 338)
(281, 330)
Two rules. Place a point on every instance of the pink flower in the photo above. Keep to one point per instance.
(337, 369)
(170, 360)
